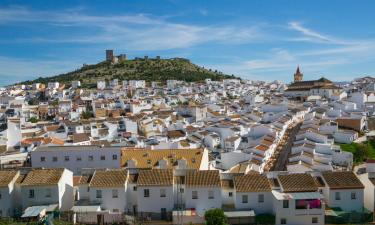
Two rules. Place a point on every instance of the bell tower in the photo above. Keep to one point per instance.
(298, 76)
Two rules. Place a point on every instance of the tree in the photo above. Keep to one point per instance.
(33, 120)
(215, 217)
(87, 115)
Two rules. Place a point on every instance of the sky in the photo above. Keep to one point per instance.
(257, 40)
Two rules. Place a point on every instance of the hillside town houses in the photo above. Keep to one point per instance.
(151, 151)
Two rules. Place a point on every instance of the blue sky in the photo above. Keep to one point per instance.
(259, 40)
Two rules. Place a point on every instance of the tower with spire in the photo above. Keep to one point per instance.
(298, 76)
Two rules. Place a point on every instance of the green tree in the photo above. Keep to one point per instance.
(215, 217)
(33, 120)
(87, 115)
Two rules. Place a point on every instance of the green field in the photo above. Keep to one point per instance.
(361, 151)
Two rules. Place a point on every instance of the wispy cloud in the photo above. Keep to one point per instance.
(139, 32)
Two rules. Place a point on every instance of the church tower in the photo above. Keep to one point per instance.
(298, 76)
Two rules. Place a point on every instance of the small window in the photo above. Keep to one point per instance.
(114, 157)
(91, 158)
(146, 193)
(66, 158)
(31, 193)
(194, 195)
(54, 159)
(210, 194)
(230, 194)
(182, 190)
(79, 158)
(261, 198)
(48, 193)
(314, 220)
(98, 193)
(244, 199)
(42, 159)
(0, 195)
(114, 193)
(337, 196)
(149, 161)
(353, 195)
(135, 188)
(162, 193)
(282, 221)
(102, 157)
(285, 204)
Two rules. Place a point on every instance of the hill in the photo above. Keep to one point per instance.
(143, 69)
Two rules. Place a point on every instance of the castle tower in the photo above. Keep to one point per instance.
(298, 76)
(109, 55)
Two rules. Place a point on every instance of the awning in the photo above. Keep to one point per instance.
(238, 214)
(34, 211)
(297, 195)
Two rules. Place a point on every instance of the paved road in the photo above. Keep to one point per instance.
(284, 148)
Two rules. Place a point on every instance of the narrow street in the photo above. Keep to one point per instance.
(283, 149)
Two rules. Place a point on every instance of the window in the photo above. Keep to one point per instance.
(314, 220)
(42, 159)
(210, 194)
(194, 195)
(0, 195)
(48, 193)
(261, 198)
(114, 157)
(337, 196)
(79, 158)
(182, 190)
(282, 221)
(146, 193)
(54, 159)
(91, 158)
(66, 158)
(135, 188)
(162, 193)
(102, 157)
(244, 199)
(98, 193)
(149, 161)
(353, 195)
(31, 193)
(115, 210)
(285, 204)
(230, 194)
(114, 193)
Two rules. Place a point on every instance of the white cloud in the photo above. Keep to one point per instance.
(136, 32)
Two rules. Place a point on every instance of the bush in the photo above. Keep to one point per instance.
(33, 120)
(215, 217)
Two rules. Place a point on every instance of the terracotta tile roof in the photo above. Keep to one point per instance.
(109, 178)
(40, 177)
(133, 178)
(297, 183)
(175, 134)
(80, 138)
(6, 176)
(162, 177)
(203, 178)
(147, 159)
(342, 180)
(252, 183)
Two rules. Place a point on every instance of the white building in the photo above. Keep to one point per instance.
(48, 187)
(76, 158)
(8, 192)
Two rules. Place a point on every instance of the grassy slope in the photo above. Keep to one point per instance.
(361, 152)
(149, 70)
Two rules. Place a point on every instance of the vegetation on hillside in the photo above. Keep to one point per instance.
(361, 151)
(145, 69)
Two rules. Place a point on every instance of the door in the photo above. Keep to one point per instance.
(163, 213)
